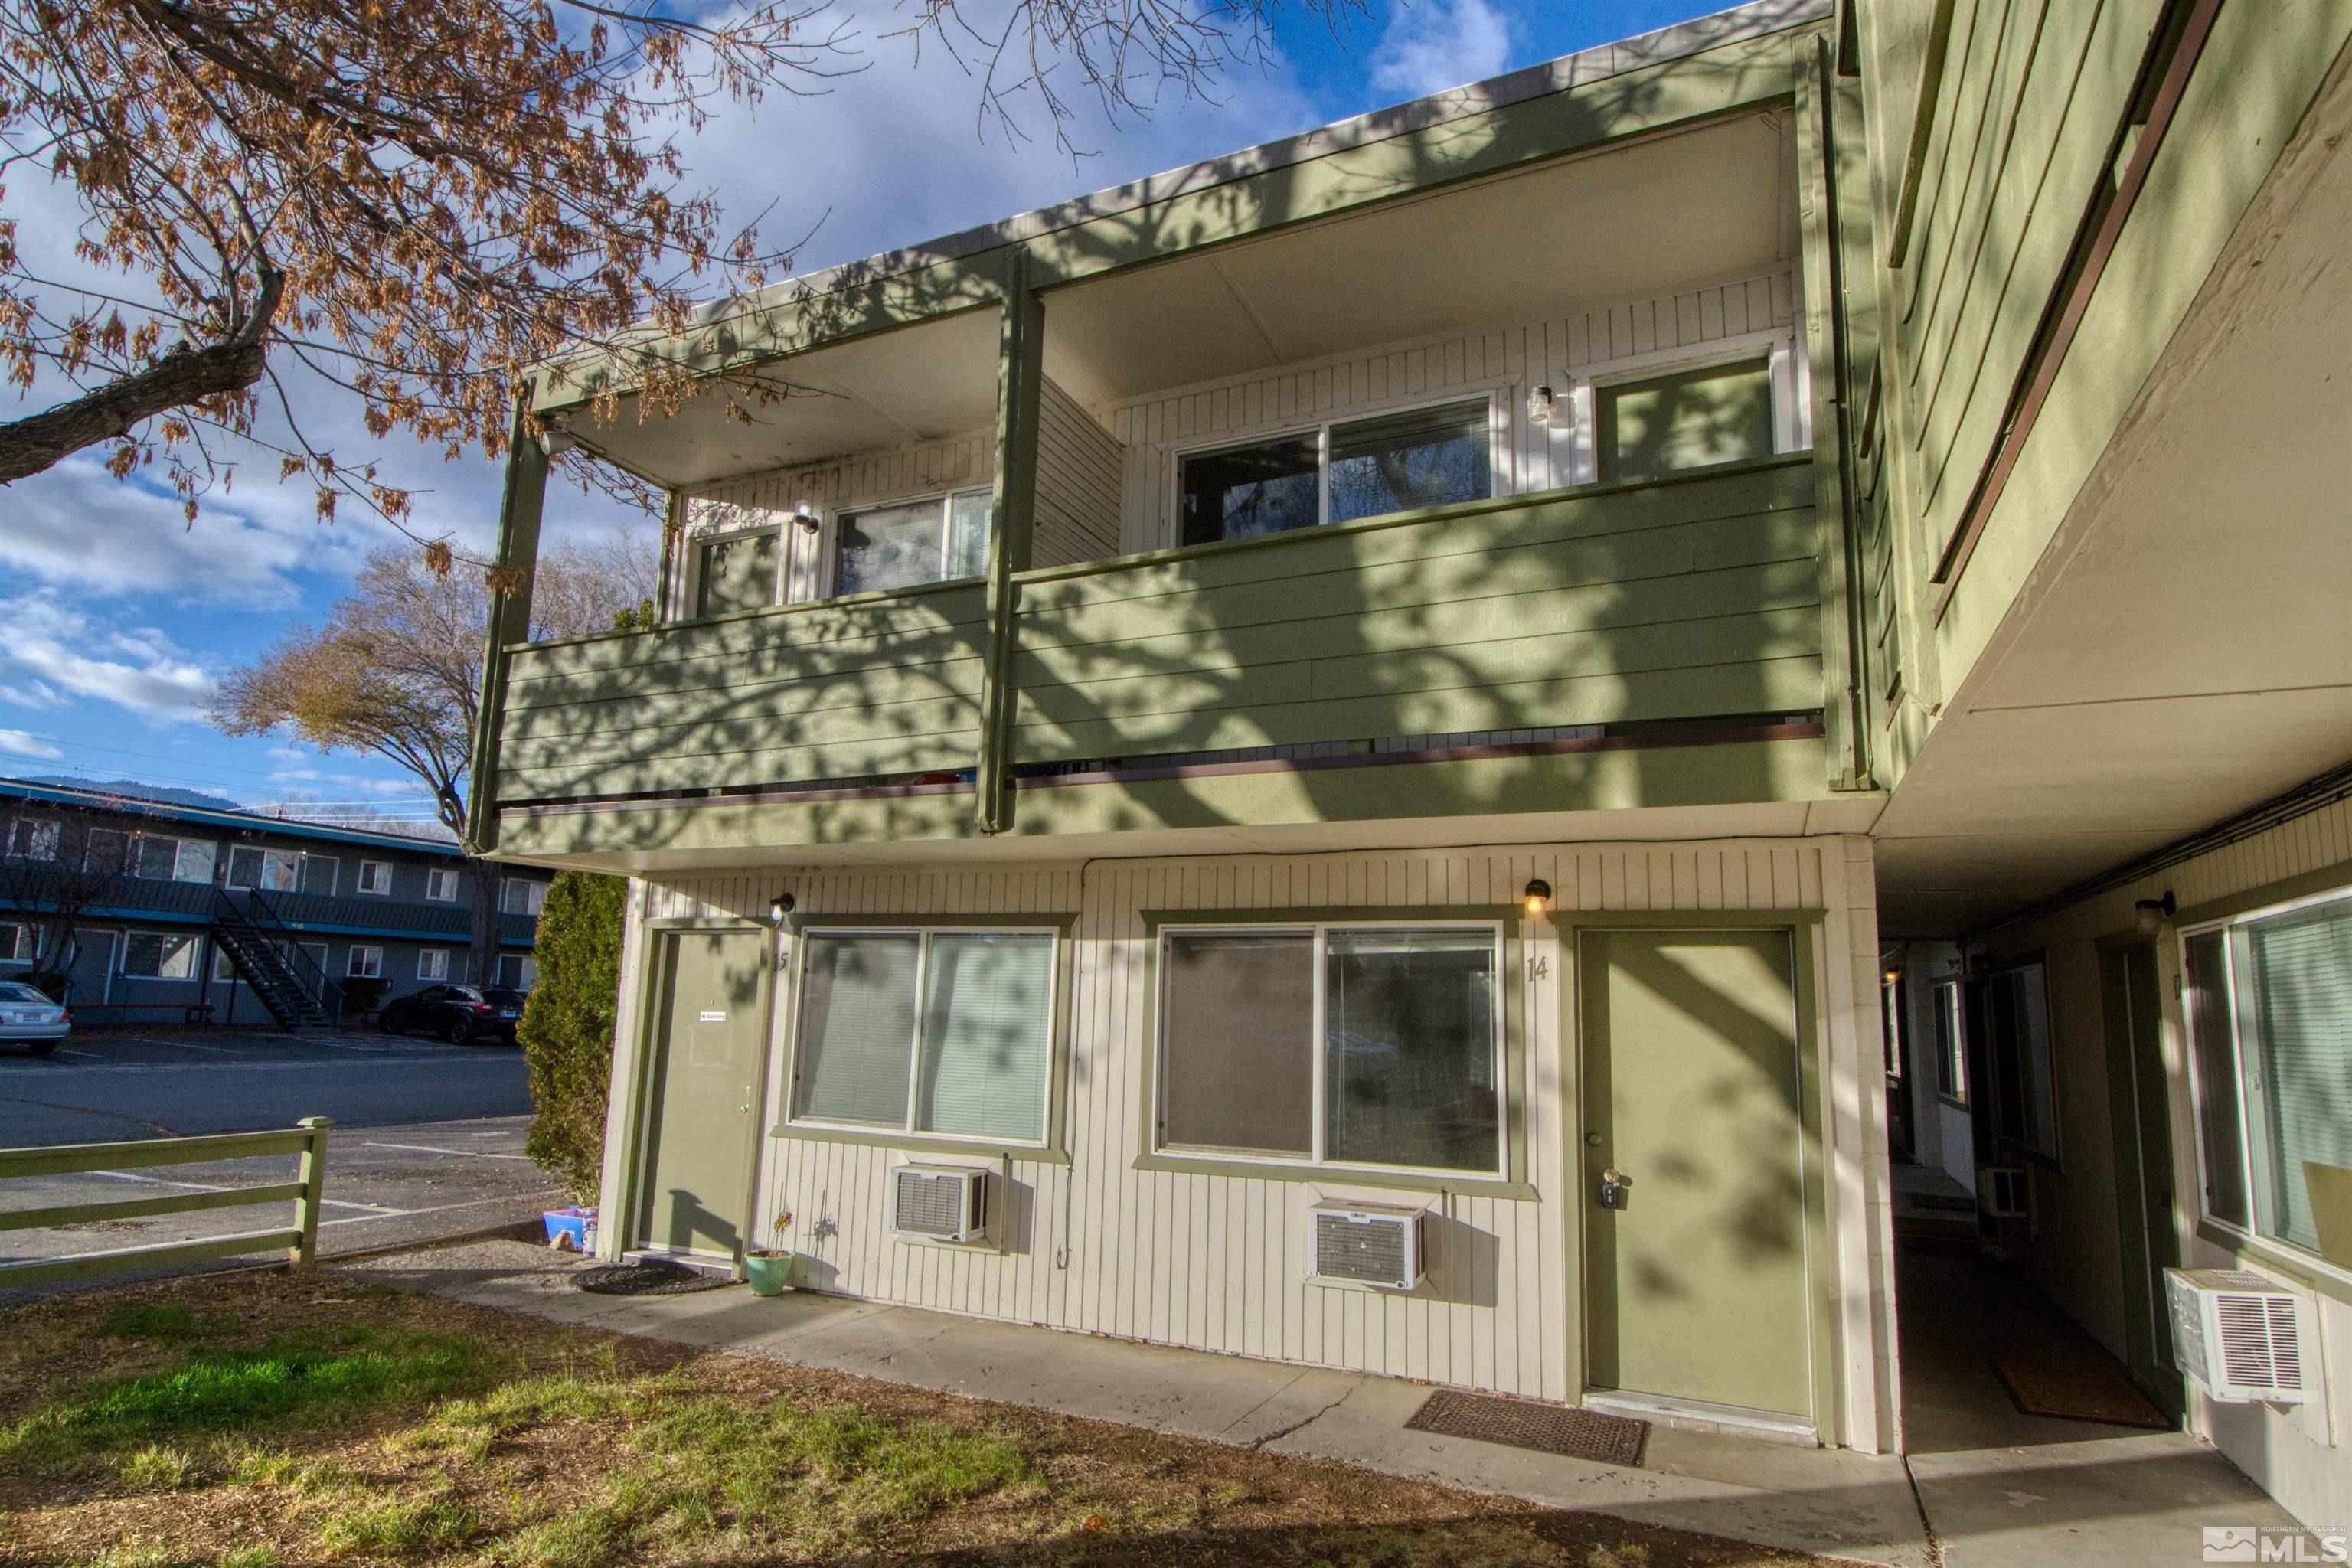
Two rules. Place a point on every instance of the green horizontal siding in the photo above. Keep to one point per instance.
(1694, 599)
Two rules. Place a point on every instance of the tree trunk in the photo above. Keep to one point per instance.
(482, 958)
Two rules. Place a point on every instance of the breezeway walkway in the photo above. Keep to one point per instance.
(2083, 1495)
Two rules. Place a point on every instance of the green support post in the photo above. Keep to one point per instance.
(1020, 371)
(311, 1177)
(518, 516)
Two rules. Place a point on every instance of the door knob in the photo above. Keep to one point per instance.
(1614, 1186)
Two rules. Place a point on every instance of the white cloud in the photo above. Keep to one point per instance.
(1432, 45)
(34, 694)
(57, 646)
(16, 742)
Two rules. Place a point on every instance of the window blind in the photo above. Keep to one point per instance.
(857, 1028)
(2300, 1007)
(987, 1032)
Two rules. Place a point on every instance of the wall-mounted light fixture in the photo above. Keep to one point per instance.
(1893, 975)
(1537, 894)
(1539, 405)
(2148, 915)
(555, 440)
(780, 911)
(805, 515)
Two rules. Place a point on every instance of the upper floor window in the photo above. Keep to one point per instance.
(163, 858)
(33, 839)
(441, 884)
(739, 571)
(2268, 997)
(271, 870)
(521, 896)
(1343, 1045)
(942, 1032)
(1690, 418)
(907, 544)
(106, 852)
(375, 877)
(1339, 472)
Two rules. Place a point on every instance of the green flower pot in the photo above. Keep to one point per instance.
(769, 1272)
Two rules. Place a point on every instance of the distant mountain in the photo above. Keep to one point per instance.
(137, 790)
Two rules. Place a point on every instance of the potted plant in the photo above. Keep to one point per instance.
(770, 1269)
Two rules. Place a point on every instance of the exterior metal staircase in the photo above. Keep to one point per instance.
(263, 951)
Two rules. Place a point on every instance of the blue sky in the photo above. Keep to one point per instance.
(120, 618)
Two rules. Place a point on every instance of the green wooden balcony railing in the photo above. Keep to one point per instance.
(1694, 598)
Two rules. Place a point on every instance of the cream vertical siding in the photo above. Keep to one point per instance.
(2293, 1451)
(1215, 1262)
(1509, 358)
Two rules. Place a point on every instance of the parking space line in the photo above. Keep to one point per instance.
(429, 1149)
(86, 1056)
(436, 1208)
(159, 1182)
(353, 1204)
(182, 1046)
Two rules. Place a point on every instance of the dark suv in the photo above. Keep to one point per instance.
(458, 1014)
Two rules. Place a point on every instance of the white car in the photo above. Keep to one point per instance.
(29, 1016)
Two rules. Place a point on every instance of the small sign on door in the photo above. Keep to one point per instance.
(710, 1018)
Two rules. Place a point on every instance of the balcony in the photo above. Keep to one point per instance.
(1604, 646)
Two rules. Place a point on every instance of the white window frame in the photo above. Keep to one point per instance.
(1316, 1160)
(360, 882)
(130, 858)
(48, 833)
(698, 542)
(30, 938)
(1790, 377)
(441, 876)
(526, 971)
(180, 844)
(1501, 472)
(228, 870)
(351, 970)
(2251, 1183)
(441, 973)
(906, 1130)
(1951, 1011)
(196, 957)
(506, 886)
(828, 555)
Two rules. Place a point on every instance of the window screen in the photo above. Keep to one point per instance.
(1425, 457)
(987, 1027)
(739, 573)
(1718, 414)
(1409, 1043)
(2294, 1008)
(1248, 492)
(1238, 1012)
(857, 1028)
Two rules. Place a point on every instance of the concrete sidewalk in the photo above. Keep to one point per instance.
(1822, 1501)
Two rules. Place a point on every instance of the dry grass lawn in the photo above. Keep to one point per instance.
(238, 1421)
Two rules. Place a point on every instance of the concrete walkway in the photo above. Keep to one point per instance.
(1998, 1490)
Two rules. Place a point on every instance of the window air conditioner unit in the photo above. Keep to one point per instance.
(2234, 1332)
(1365, 1243)
(940, 1203)
(2006, 1191)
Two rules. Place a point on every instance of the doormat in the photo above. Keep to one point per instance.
(1524, 1424)
(648, 1277)
(2074, 1384)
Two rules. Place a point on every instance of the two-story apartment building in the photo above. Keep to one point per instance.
(1341, 747)
(248, 919)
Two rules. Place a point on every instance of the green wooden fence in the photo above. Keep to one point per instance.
(307, 1141)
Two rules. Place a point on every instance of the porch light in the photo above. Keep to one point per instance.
(805, 515)
(2147, 914)
(1539, 403)
(1539, 899)
(781, 907)
(555, 440)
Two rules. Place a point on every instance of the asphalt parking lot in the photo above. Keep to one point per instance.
(427, 1142)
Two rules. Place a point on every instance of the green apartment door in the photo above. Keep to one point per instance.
(1696, 1268)
(702, 1091)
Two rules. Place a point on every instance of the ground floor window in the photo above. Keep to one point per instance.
(1351, 1045)
(2269, 1003)
(365, 963)
(159, 955)
(2017, 1027)
(947, 1033)
(517, 972)
(1951, 1046)
(17, 944)
(432, 964)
